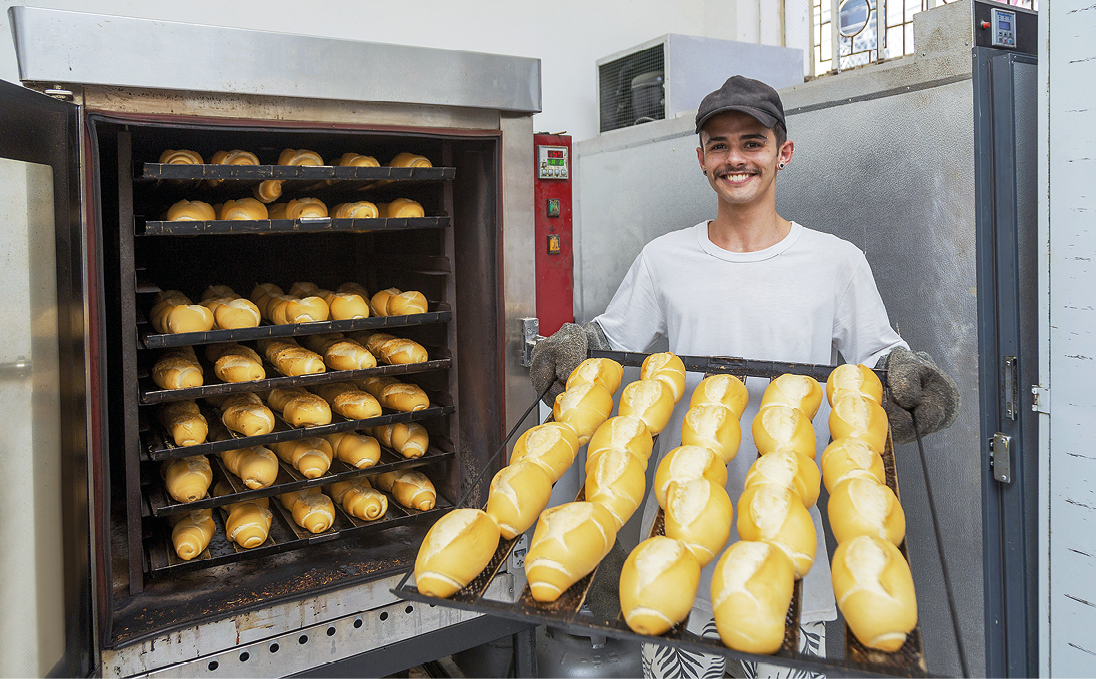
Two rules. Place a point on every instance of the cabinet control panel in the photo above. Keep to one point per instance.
(1004, 28)
(552, 162)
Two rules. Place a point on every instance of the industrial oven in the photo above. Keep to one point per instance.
(116, 93)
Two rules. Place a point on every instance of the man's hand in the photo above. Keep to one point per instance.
(918, 385)
(555, 358)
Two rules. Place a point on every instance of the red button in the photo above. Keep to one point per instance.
(985, 24)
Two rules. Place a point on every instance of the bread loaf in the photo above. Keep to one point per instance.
(191, 211)
(770, 513)
(310, 456)
(865, 507)
(346, 305)
(752, 588)
(724, 390)
(651, 401)
(570, 541)
(184, 422)
(794, 391)
(300, 408)
(245, 414)
(849, 458)
(187, 478)
(181, 157)
(403, 397)
(658, 584)
(376, 385)
(668, 368)
(604, 371)
(268, 191)
(356, 450)
(173, 313)
(779, 427)
(406, 302)
(378, 303)
(356, 288)
(874, 590)
(235, 362)
(245, 209)
(787, 469)
(616, 480)
(256, 466)
(298, 208)
(311, 509)
(699, 514)
(234, 157)
(357, 160)
(626, 432)
(248, 522)
(402, 208)
(410, 439)
(281, 309)
(688, 462)
(714, 427)
(411, 489)
(191, 532)
(299, 157)
(859, 417)
(359, 499)
(291, 359)
(234, 312)
(403, 351)
(854, 379)
(584, 408)
(551, 445)
(178, 369)
(341, 353)
(454, 551)
(519, 493)
(362, 209)
(373, 341)
(409, 160)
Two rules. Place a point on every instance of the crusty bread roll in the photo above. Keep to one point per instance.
(299, 407)
(178, 369)
(346, 306)
(584, 408)
(187, 478)
(359, 499)
(281, 309)
(752, 588)
(191, 211)
(714, 427)
(310, 456)
(409, 160)
(874, 590)
(357, 160)
(651, 401)
(771, 513)
(348, 401)
(356, 288)
(403, 397)
(604, 371)
(247, 522)
(246, 209)
(256, 466)
(788, 469)
(725, 390)
(616, 480)
(375, 385)
(373, 341)
(406, 303)
(456, 548)
(410, 439)
(794, 391)
(519, 493)
(263, 294)
(853, 379)
(688, 462)
(291, 359)
(411, 489)
(779, 427)
(232, 312)
(191, 532)
(298, 208)
(402, 208)
(551, 445)
(234, 157)
(570, 541)
(626, 432)
(851, 459)
(699, 514)
(402, 351)
(341, 353)
(181, 157)
(361, 209)
(379, 301)
(667, 367)
(859, 417)
(174, 313)
(235, 363)
(865, 507)
(299, 157)
(357, 450)
(311, 509)
(184, 421)
(245, 414)
(268, 191)
(658, 584)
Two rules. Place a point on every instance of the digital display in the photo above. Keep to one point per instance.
(554, 161)
(555, 154)
(1004, 24)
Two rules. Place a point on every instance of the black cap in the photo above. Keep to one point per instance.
(746, 95)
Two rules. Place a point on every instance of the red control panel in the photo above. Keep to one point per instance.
(552, 210)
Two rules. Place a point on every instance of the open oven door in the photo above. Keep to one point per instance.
(45, 578)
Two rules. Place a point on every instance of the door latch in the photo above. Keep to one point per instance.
(530, 330)
(1000, 457)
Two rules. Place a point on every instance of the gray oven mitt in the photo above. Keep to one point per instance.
(554, 358)
(917, 385)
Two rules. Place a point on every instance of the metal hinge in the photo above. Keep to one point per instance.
(1000, 457)
(530, 329)
(1040, 399)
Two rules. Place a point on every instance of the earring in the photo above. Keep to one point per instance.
(782, 165)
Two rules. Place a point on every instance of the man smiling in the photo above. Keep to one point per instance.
(750, 283)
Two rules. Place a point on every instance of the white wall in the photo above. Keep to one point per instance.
(568, 36)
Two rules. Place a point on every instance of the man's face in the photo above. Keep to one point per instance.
(739, 156)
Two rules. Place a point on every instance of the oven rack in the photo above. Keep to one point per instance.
(157, 171)
(284, 535)
(151, 393)
(570, 614)
(157, 445)
(144, 227)
(439, 312)
(159, 503)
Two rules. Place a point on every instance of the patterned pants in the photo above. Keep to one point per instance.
(665, 662)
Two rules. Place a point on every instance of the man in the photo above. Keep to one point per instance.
(750, 283)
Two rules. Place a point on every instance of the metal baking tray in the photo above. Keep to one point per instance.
(154, 171)
(570, 614)
(304, 225)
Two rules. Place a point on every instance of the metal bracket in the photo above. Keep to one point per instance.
(1000, 457)
(1010, 387)
(1040, 399)
(530, 329)
(517, 554)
